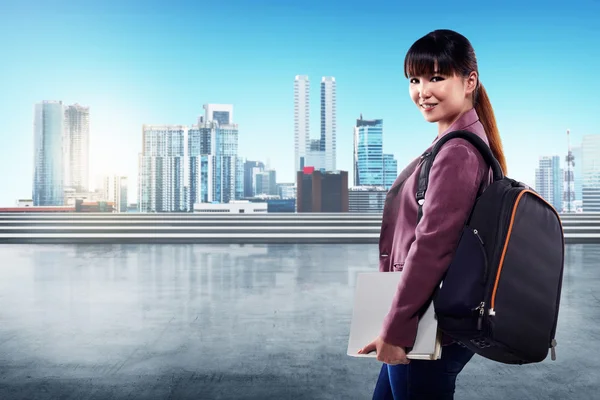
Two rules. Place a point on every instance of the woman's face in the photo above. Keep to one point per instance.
(442, 98)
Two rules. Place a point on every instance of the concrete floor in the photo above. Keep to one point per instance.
(235, 322)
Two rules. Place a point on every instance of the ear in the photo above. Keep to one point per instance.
(471, 83)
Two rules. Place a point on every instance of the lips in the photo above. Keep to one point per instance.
(428, 106)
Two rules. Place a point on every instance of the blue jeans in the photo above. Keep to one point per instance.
(421, 379)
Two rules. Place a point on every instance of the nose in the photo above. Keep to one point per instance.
(424, 91)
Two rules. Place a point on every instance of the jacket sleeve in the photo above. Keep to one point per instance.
(454, 179)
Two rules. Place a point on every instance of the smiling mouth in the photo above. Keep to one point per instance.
(428, 106)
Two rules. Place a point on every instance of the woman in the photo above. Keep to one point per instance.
(444, 85)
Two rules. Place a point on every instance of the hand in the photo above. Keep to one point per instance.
(386, 353)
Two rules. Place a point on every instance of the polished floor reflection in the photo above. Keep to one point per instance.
(235, 322)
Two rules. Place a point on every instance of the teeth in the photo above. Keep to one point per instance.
(428, 105)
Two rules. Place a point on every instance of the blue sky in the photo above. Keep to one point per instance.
(159, 62)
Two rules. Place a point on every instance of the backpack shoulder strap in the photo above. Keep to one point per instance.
(479, 144)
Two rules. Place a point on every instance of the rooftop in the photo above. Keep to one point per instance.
(235, 322)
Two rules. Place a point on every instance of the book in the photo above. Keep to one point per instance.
(373, 296)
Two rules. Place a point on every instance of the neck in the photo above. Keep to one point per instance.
(443, 126)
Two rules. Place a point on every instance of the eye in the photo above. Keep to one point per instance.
(414, 81)
(437, 79)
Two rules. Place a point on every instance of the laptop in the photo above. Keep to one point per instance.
(373, 297)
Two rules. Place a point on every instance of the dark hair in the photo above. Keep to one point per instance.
(454, 54)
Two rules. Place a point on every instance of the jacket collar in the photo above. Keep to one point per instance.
(469, 121)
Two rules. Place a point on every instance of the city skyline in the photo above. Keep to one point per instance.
(132, 76)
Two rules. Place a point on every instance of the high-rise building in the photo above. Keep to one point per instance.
(569, 179)
(213, 157)
(368, 152)
(301, 120)
(204, 176)
(390, 170)
(48, 133)
(266, 183)
(115, 190)
(76, 147)
(162, 169)
(590, 147)
(328, 121)
(578, 171)
(549, 181)
(251, 169)
(239, 178)
(315, 157)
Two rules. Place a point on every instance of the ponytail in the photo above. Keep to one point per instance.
(484, 110)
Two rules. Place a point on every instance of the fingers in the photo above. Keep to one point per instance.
(398, 362)
(368, 348)
(387, 360)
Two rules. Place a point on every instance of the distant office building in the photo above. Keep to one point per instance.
(578, 171)
(366, 199)
(590, 147)
(115, 190)
(371, 166)
(77, 147)
(301, 120)
(286, 190)
(214, 173)
(48, 132)
(390, 170)
(161, 169)
(72, 195)
(266, 183)
(204, 174)
(227, 134)
(315, 157)
(251, 169)
(239, 178)
(328, 121)
(368, 152)
(549, 181)
(322, 191)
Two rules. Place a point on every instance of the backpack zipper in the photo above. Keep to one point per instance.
(492, 311)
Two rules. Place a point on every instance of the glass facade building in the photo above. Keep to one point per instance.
(161, 166)
(48, 180)
(368, 153)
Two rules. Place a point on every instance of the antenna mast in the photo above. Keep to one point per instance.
(569, 194)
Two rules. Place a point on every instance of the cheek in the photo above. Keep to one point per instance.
(414, 95)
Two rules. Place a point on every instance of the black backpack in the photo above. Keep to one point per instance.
(500, 295)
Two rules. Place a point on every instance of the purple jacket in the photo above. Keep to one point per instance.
(424, 252)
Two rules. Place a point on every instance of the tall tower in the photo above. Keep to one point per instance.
(48, 135)
(301, 120)
(328, 121)
(569, 189)
(77, 147)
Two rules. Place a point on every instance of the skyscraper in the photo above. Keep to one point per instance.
(301, 120)
(77, 147)
(115, 189)
(48, 132)
(328, 121)
(549, 181)
(390, 170)
(590, 148)
(227, 148)
(162, 169)
(204, 181)
(368, 152)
